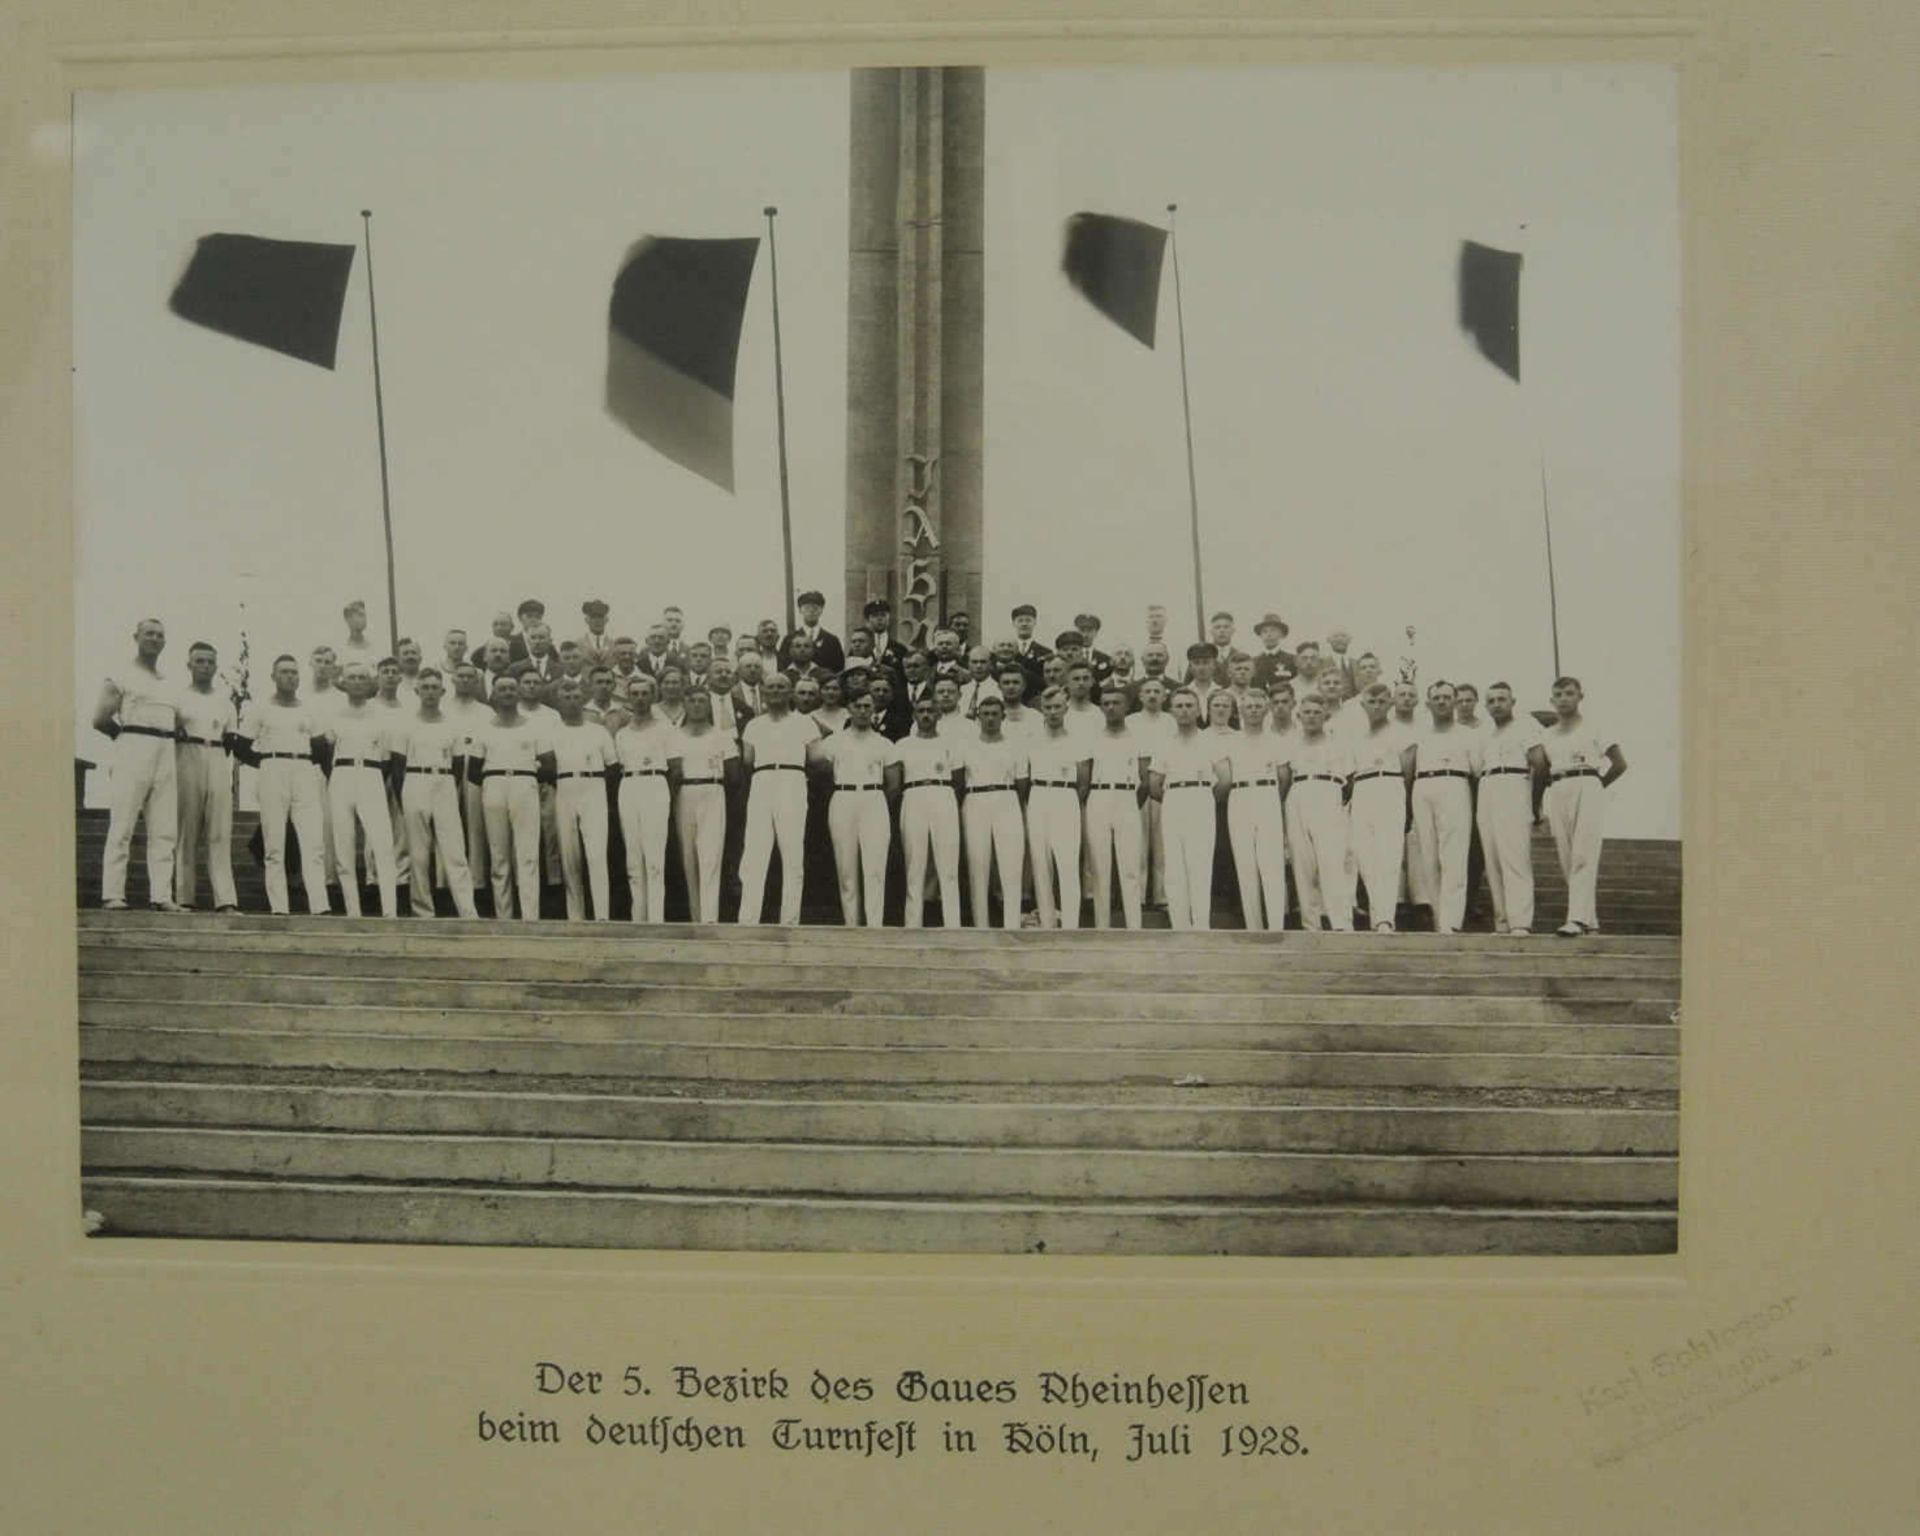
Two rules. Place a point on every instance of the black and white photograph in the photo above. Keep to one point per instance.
(925, 659)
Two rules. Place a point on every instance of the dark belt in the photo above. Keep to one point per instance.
(1577, 773)
(1488, 773)
(687, 783)
(927, 784)
(856, 789)
(1189, 784)
(652, 773)
(1444, 773)
(778, 768)
(1256, 783)
(411, 770)
(508, 773)
(1325, 778)
(1056, 784)
(1109, 784)
(203, 741)
(292, 757)
(358, 762)
(585, 773)
(990, 789)
(1378, 773)
(146, 730)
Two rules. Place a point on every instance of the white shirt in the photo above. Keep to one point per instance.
(275, 727)
(1439, 750)
(1255, 757)
(1189, 758)
(1378, 751)
(507, 748)
(1116, 759)
(1585, 746)
(148, 700)
(1055, 758)
(1324, 756)
(208, 715)
(956, 728)
(925, 757)
(990, 763)
(1085, 723)
(1023, 726)
(858, 758)
(361, 733)
(706, 755)
(647, 748)
(1505, 746)
(432, 743)
(582, 748)
(781, 741)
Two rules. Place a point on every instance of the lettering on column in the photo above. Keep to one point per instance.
(920, 543)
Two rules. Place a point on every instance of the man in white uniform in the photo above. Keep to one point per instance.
(467, 710)
(507, 756)
(1256, 819)
(1060, 769)
(138, 711)
(1509, 762)
(359, 739)
(1115, 793)
(920, 778)
(203, 770)
(1582, 762)
(432, 752)
(857, 821)
(1313, 779)
(1155, 728)
(645, 747)
(704, 769)
(1189, 774)
(773, 750)
(583, 758)
(389, 680)
(282, 739)
(994, 774)
(1443, 808)
(1381, 767)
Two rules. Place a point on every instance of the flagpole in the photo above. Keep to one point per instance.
(1553, 595)
(1186, 407)
(780, 409)
(380, 418)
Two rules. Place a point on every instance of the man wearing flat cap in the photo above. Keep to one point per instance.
(1271, 661)
(828, 653)
(596, 645)
(529, 613)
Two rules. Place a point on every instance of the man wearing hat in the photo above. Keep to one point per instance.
(888, 652)
(1271, 661)
(828, 653)
(1088, 626)
(1031, 652)
(530, 613)
(596, 645)
(1201, 661)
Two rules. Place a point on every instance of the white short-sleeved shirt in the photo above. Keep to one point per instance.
(858, 758)
(1055, 758)
(432, 743)
(1325, 756)
(1585, 746)
(148, 700)
(1378, 751)
(209, 716)
(1152, 731)
(1084, 724)
(779, 742)
(582, 748)
(990, 763)
(1439, 751)
(1255, 757)
(926, 757)
(647, 748)
(1023, 726)
(363, 733)
(1188, 759)
(706, 755)
(1505, 746)
(1116, 759)
(275, 727)
(467, 714)
(508, 748)
(957, 729)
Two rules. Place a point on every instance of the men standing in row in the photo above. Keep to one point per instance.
(505, 756)
(431, 752)
(138, 711)
(773, 752)
(203, 772)
(920, 774)
(994, 775)
(285, 740)
(857, 821)
(645, 748)
(357, 784)
(1187, 772)
(1443, 808)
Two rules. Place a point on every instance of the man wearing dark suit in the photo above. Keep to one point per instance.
(1270, 661)
(828, 653)
(542, 661)
(530, 613)
(658, 653)
(800, 659)
(1032, 654)
(1088, 625)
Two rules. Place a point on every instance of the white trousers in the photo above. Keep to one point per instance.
(995, 835)
(547, 859)
(645, 812)
(1187, 817)
(858, 825)
(430, 806)
(397, 835)
(1505, 817)
(1317, 838)
(700, 822)
(1113, 830)
(360, 794)
(930, 828)
(1442, 833)
(1577, 813)
(1257, 829)
(1377, 827)
(580, 813)
(474, 815)
(776, 818)
(141, 782)
(203, 779)
(293, 790)
(1153, 855)
(511, 806)
(1053, 838)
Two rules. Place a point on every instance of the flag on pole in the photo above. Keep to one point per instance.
(283, 294)
(1115, 263)
(1490, 304)
(673, 337)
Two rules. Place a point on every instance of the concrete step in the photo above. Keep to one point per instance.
(798, 1168)
(812, 1029)
(543, 1055)
(493, 1112)
(1005, 967)
(190, 1206)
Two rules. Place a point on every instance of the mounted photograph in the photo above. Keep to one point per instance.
(911, 660)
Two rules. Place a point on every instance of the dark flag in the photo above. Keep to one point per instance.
(1116, 264)
(673, 336)
(282, 294)
(1490, 304)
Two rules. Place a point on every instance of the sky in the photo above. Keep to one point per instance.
(1358, 463)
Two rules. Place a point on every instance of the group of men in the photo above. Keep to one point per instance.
(1010, 780)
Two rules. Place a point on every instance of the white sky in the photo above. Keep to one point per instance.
(1359, 464)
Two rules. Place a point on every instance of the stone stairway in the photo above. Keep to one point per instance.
(852, 1090)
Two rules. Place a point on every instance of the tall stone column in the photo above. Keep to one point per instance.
(915, 343)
